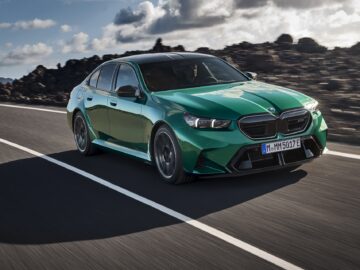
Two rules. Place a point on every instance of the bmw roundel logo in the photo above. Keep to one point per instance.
(271, 109)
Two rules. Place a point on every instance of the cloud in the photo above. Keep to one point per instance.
(243, 4)
(187, 14)
(170, 15)
(127, 15)
(34, 24)
(78, 43)
(65, 28)
(5, 25)
(26, 54)
(305, 4)
(175, 14)
(215, 23)
(25, 25)
(108, 39)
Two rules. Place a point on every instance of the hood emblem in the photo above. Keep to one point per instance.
(271, 109)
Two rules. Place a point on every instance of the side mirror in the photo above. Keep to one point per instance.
(251, 75)
(128, 91)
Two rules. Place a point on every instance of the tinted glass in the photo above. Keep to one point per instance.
(105, 78)
(126, 76)
(187, 73)
(94, 78)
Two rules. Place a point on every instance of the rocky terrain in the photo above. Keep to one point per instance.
(330, 76)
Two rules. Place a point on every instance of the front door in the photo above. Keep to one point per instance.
(126, 121)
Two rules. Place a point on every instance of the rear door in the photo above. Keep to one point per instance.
(126, 121)
(96, 99)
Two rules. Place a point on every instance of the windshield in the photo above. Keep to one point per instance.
(188, 73)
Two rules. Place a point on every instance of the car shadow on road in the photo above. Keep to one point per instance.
(43, 203)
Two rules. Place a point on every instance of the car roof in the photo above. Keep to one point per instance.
(160, 57)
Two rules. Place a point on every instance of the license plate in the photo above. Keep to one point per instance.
(273, 147)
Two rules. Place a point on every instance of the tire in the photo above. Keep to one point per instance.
(81, 136)
(168, 157)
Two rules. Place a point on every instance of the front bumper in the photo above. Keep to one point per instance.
(250, 160)
(232, 152)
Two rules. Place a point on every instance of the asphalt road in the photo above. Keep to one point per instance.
(53, 218)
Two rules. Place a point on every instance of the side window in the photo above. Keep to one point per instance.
(126, 76)
(94, 78)
(106, 75)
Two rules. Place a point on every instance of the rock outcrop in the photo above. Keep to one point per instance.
(309, 45)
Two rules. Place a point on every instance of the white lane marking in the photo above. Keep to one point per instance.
(199, 225)
(328, 152)
(341, 154)
(31, 108)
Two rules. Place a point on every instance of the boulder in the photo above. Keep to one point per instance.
(309, 45)
(284, 39)
(205, 50)
(159, 47)
(178, 48)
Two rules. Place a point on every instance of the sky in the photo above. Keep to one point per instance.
(48, 32)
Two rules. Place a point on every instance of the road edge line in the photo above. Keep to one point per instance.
(31, 108)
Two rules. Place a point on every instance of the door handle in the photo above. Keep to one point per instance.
(112, 103)
(89, 98)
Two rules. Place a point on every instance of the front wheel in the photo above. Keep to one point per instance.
(168, 159)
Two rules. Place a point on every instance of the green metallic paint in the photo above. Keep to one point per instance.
(128, 126)
(229, 101)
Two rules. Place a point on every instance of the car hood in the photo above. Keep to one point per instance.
(229, 101)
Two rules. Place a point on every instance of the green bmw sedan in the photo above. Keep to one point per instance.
(193, 114)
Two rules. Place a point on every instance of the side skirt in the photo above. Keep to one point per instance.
(122, 149)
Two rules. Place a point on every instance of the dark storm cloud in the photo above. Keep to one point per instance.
(243, 4)
(127, 15)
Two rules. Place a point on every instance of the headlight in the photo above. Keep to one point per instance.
(197, 122)
(312, 106)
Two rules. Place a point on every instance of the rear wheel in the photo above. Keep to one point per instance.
(81, 136)
(168, 159)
